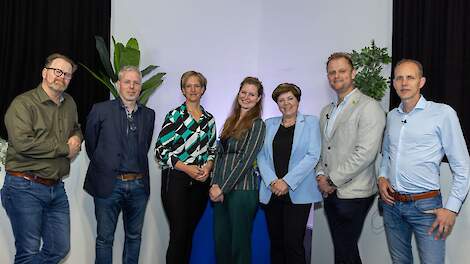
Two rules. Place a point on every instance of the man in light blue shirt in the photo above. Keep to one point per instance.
(417, 135)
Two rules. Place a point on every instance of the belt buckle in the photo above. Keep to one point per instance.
(126, 177)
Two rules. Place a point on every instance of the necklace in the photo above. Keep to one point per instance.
(289, 123)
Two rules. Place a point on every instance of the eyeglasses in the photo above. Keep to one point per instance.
(129, 82)
(59, 73)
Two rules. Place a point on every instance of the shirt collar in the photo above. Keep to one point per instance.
(420, 105)
(346, 98)
(128, 112)
(43, 97)
(184, 110)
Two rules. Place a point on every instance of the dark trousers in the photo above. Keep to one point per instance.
(286, 227)
(184, 201)
(233, 225)
(345, 219)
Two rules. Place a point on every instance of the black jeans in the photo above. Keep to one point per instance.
(184, 201)
(286, 226)
(345, 219)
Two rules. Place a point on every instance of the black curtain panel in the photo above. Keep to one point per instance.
(436, 33)
(32, 30)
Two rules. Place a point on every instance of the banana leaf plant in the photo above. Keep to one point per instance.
(124, 56)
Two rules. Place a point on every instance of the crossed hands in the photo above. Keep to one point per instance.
(74, 144)
(215, 193)
(279, 187)
(196, 172)
(445, 218)
(324, 186)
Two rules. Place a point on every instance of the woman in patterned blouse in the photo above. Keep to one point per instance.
(185, 150)
(234, 188)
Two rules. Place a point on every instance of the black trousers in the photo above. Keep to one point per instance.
(346, 219)
(184, 201)
(286, 227)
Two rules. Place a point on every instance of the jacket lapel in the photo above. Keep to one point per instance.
(347, 111)
(272, 133)
(324, 120)
(120, 124)
(140, 129)
(299, 127)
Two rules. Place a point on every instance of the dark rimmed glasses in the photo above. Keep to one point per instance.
(60, 73)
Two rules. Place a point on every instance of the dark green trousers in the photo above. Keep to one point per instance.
(233, 224)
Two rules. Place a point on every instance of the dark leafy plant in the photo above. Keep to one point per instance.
(368, 64)
(124, 56)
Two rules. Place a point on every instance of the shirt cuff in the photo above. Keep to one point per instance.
(453, 204)
(383, 173)
(63, 150)
(320, 173)
(172, 160)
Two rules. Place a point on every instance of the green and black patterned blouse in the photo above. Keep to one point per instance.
(185, 139)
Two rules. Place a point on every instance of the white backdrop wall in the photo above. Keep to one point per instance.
(277, 41)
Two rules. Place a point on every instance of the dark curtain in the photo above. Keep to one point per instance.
(436, 33)
(32, 30)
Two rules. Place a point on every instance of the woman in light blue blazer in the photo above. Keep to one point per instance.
(288, 187)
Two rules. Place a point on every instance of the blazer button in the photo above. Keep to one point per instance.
(329, 147)
(326, 165)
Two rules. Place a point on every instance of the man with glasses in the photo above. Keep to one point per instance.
(117, 139)
(418, 135)
(43, 137)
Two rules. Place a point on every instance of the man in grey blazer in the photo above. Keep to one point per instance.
(351, 130)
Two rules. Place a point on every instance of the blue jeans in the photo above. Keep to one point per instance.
(403, 219)
(37, 212)
(131, 198)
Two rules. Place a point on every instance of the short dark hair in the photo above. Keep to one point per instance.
(54, 56)
(339, 55)
(285, 88)
(186, 75)
(415, 62)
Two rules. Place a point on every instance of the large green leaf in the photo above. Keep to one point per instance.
(153, 81)
(147, 70)
(132, 43)
(103, 79)
(118, 47)
(129, 56)
(104, 57)
(145, 95)
(149, 86)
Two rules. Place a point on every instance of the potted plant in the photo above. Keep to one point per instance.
(369, 64)
(123, 56)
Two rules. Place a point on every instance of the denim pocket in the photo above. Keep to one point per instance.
(18, 183)
(139, 182)
(427, 205)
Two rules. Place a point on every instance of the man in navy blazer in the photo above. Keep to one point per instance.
(117, 139)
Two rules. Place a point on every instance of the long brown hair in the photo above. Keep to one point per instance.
(231, 128)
